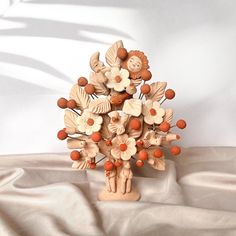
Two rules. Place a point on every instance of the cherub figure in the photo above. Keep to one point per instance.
(125, 177)
(136, 63)
(111, 180)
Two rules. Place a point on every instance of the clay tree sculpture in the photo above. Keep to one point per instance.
(106, 115)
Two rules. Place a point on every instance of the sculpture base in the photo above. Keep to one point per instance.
(118, 196)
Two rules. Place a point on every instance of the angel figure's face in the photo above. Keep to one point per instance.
(134, 64)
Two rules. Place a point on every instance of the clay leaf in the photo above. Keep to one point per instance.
(94, 60)
(100, 106)
(168, 115)
(91, 150)
(80, 96)
(137, 81)
(80, 164)
(157, 91)
(70, 122)
(100, 88)
(104, 130)
(111, 54)
(160, 164)
(133, 107)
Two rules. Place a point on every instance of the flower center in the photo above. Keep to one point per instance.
(90, 121)
(152, 112)
(118, 79)
(123, 147)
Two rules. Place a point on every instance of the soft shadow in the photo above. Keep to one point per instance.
(101, 3)
(33, 63)
(58, 29)
(13, 86)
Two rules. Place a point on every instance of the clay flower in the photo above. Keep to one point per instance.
(118, 79)
(117, 123)
(89, 122)
(152, 112)
(123, 147)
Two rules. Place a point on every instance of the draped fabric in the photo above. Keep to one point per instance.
(40, 194)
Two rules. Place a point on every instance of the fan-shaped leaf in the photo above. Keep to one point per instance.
(111, 54)
(168, 115)
(100, 106)
(70, 121)
(157, 91)
(80, 96)
(100, 88)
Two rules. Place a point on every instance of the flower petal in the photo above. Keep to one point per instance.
(124, 73)
(161, 112)
(125, 156)
(149, 120)
(156, 105)
(116, 153)
(119, 87)
(125, 82)
(99, 120)
(158, 120)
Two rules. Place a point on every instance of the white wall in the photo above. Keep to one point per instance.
(46, 44)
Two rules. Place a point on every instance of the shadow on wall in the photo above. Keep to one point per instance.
(57, 29)
(33, 63)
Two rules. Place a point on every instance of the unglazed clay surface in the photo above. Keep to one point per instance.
(110, 114)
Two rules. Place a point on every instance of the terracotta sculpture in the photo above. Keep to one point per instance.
(106, 116)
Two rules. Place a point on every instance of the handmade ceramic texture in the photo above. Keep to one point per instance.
(104, 115)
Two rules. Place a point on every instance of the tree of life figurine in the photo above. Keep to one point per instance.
(105, 115)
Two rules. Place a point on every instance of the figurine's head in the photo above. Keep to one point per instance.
(135, 62)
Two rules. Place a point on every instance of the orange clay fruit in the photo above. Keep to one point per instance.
(62, 134)
(135, 124)
(92, 165)
(139, 163)
(108, 142)
(181, 124)
(75, 155)
(82, 81)
(169, 94)
(164, 126)
(158, 153)
(143, 155)
(139, 143)
(71, 104)
(145, 88)
(62, 103)
(146, 75)
(118, 163)
(175, 150)
(123, 147)
(122, 53)
(96, 137)
(89, 89)
(108, 165)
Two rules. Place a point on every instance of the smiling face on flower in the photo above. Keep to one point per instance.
(118, 79)
(152, 112)
(89, 122)
(123, 147)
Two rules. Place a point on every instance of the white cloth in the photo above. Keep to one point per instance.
(41, 195)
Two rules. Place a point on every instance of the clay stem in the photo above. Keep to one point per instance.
(100, 160)
(76, 112)
(163, 101)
